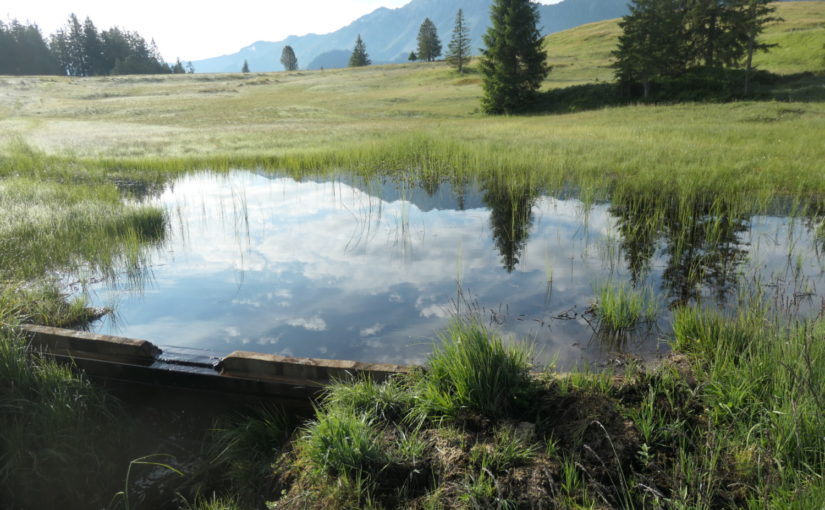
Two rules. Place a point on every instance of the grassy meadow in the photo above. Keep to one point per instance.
(733, 420)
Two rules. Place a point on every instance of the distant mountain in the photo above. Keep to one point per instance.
(330, 60)
(390, 34)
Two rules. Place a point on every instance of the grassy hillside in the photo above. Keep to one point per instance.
(583, 55)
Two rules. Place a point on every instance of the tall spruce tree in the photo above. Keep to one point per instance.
(755, 14)
(288, 59)
(514, 63)
(359, 57)
(458, 51)
(721, 33)
(652, 44)
(429, 46)
(244, 68)
(93, 48)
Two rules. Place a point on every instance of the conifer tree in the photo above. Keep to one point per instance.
(429, 46)
(514, 63)
(755, 14)
(665, 38)
(458, 51)
(288, 59)
(359, 57)
(653, 43)
(93, 49)
(244, 69)
(413, 57)
(24, 51)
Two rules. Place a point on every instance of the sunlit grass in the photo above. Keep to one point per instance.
(474, 371)
(621, 307)
(48, 226)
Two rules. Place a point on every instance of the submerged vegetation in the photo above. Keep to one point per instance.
(733, 419)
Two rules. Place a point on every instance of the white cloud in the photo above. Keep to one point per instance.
(372, 330)
(315, 323)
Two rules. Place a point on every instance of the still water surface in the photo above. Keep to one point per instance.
(344, 268)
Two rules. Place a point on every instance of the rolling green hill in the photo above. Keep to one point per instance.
(583, 54)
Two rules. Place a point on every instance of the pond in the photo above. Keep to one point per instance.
(371, 270)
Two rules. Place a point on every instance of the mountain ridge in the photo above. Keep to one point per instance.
(390, 34)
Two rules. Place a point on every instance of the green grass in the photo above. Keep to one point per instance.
(622, 307)
(61, 435)
(83, 230)
(386, 401)
(339, 442)
(764, 395)
(800, 40)
(715, 428)
(474, 371)
(242, 449)
(507, 450)
(214, 503)
(133, 128)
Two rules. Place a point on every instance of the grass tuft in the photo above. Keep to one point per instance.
(386, 402)
(623, 307)
(473, 371)
(507, 450)
(340, 442)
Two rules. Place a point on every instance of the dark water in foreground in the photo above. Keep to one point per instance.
(372, 271)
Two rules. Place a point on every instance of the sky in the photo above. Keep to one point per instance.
(192, 30)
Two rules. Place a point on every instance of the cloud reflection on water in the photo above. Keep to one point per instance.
(326, 269)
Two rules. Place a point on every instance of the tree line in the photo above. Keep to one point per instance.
(696, 44)
(664, 39)
(428, 46)
(80, 49)
(661, 41)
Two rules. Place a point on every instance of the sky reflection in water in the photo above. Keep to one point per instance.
(372, 271)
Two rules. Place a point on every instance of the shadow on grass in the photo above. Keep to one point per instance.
(702, 85)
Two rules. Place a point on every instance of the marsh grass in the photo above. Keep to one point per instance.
(735, 420)
(507, 450)
(622, 307)
(50, 416)
(764, 395)
(474, 371)
(386, 402)
(75, 229)
(242, 449)
(343, 443)
(214, 503)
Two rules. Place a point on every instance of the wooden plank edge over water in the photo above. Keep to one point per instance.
(142, 362)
